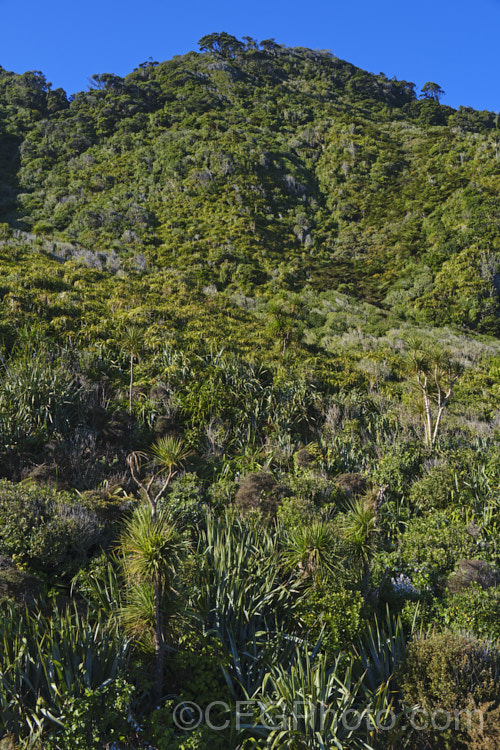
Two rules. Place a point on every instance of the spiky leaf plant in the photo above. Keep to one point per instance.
(151, 549)
(359, 530)
(316, 705)
(239, 596)
(48, 658)
(311, 549)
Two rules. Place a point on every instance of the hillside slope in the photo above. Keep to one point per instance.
(253, 169)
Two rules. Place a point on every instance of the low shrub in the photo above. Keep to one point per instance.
(46, 530)
(258, 491)
(335, 615)
(295, 511)
(474, 610)
(436, 490)
(316, 489)
(429, 550)
(445, 674)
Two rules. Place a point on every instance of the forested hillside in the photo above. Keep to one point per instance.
(249, 406)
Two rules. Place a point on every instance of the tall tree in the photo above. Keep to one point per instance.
(132, 344)
(432, 90)
(222, 44)
(166, 456)
(436, 374)
(152, 550)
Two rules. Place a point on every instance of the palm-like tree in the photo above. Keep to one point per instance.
(311, 549)
(436, 373)
(167, 455)
(152, 550)
(359, 530)
(132, 344)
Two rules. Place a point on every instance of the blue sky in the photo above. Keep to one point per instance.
(454, 44)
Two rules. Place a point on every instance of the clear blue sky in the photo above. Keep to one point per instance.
(454, 43)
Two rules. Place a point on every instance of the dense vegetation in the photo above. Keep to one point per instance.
(248, 407)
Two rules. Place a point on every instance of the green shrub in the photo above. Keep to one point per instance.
(316, 489)
(436, 540)
(188, 487)
(397, 468)
(436, 490)
(333, 614)
(94, 720)
(429, 550)
(295, 511)
(448, 672)
(45, 529)
(222, 493)
(474, 610)
(187, 501)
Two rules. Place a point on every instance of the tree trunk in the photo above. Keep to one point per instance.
(131, 383)
(428, 420)
(159, 643)
(365, 583)
(436, 426)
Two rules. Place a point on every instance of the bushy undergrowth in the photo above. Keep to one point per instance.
(46, 530)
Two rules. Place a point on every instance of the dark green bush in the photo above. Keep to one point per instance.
(448, 672)
(195, 671)
(436, 490)
(161, 731)
(96, 719)
(46, 530)
(332, 613)
(187, 501)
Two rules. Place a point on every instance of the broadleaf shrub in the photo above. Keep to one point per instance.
(446, 673)
(46, 530)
